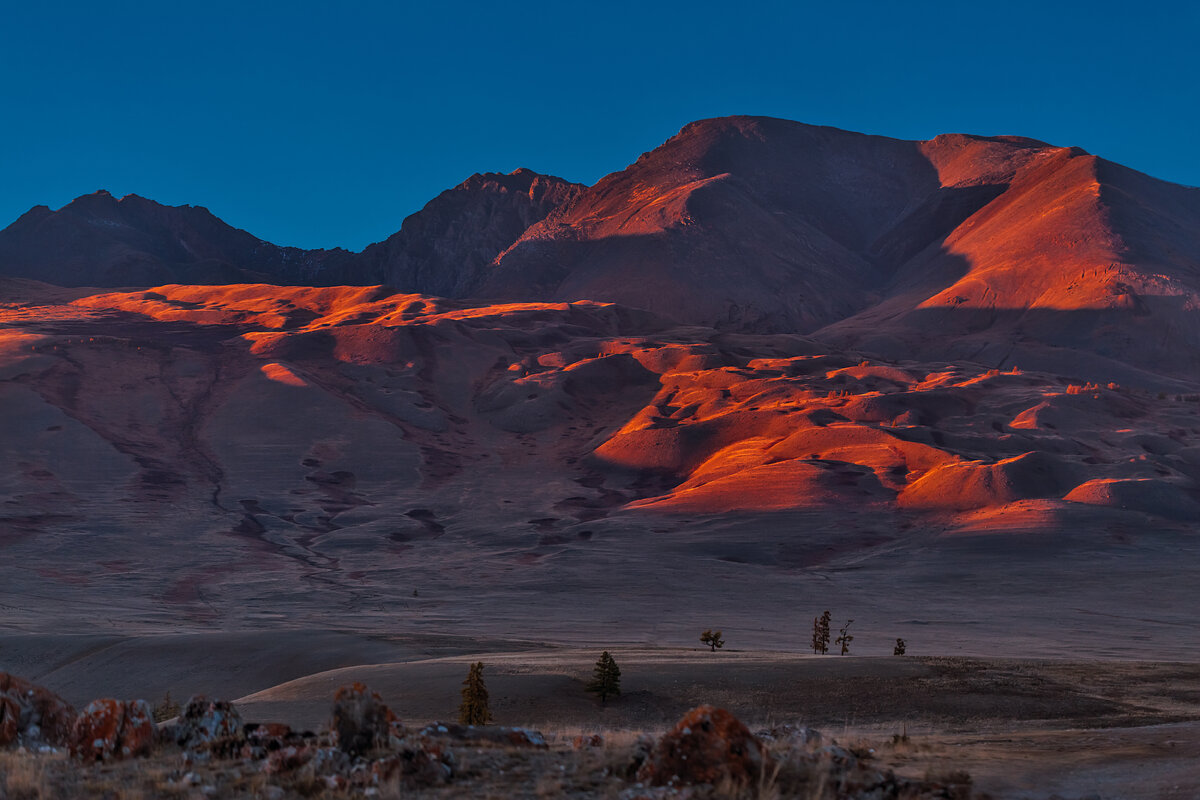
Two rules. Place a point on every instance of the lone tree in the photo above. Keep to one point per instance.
(820, 636)
(712, 639)
(899, 649)
(607, 678)
(474, 709)
(845, 638)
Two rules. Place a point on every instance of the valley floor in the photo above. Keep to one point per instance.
(1021, 728)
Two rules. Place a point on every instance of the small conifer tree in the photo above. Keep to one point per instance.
(166, 709)
(900, 648)
(474, 709)
(845, 638)
(712, 639)
(820, 635)
(607, 678)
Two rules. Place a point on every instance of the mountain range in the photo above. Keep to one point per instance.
(762, 356)
(1004, 250)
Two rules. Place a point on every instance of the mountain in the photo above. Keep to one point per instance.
(1003, 250)
(100, 240)
(999, 249)
(445, 248)
(758, 223)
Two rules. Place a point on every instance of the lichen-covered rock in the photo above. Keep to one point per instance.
(584, 741)
(112, 730)
(486, 734)
(211, 725)
(414, 766)
(264, 739)
(289, 758)
(708, 746)
(790, 733)
(361, 721)
(10, 720)
(32, 713)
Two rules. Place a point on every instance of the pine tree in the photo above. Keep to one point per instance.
(712, 639)
(474, 709)
(607, 680)
(820, 641)
(845, 638)
(900, 648)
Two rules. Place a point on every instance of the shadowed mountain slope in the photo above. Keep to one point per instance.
(99, 240)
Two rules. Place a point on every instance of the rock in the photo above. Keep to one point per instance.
(583, 741)
(212, 725)
(414, 767)
(10, 720)
(486, 734)
(113, 730)
(288, 759)
(708, 746)
(361, 722)
(264, 739)
(33, 713)
(790, 733)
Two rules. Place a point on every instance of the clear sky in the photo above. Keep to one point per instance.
(325, 124)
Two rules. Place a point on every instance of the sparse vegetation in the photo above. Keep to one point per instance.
(712, 639)
(474, 708)
(606, 680)
(166, 709)
(845, 637)
(820, 635)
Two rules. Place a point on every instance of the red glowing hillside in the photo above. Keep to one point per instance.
(766, 344)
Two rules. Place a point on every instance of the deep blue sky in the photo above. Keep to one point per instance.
(323, 124)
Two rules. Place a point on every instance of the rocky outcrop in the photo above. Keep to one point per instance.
(209, 725)
(111, 730)
(32, 714)
(361, 722)
(708, 746)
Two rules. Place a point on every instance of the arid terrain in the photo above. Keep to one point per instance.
(946, 389)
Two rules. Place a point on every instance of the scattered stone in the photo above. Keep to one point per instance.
(583, 741)
(708, 746)
(790, 733)
(113, 730)
(414, 767)
(288, 759)
(361, 722)
(263, 739)
(486, 734)
(31, 714)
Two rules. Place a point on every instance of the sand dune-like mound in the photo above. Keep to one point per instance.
(967, 485)
(1150, 496)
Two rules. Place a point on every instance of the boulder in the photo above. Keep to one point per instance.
(486, 734)
(263, 740)
(33, 713)
(10, 720)
(112, 730)
(708, 746)
(586, 741)
(414, 766)
(361, 722)
(211, 725)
